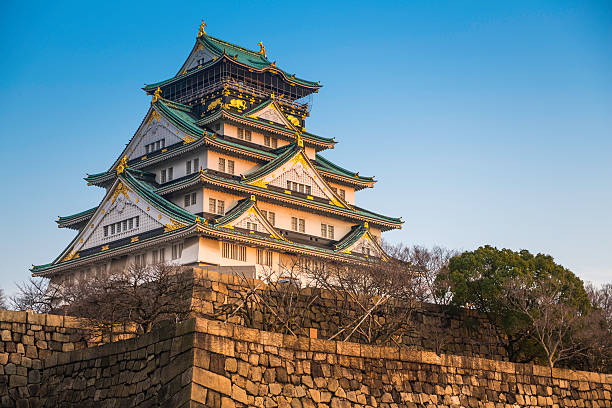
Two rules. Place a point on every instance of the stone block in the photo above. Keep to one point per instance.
(212, 381)
(271, 339)
(245, 334)
(348, 349)
(6, 335)
(13, 316)
(17, 381)
(227, 403)
(36, 318)
(198, 393)
(322, 346)
(239, 394)
(55, 320)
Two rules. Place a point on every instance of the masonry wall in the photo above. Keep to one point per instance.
(26, 339)
(436, 328)
(204, 363)
(152, 370)
(236, 366)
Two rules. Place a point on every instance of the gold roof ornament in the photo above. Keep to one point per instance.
(156, 95)
(300, 142)
(252, 197)
(262, 49)
(201, 32)
(122, 165)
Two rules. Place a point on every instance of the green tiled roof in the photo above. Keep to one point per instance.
(353, 236)
(235, 212)
(326, 165)
(147, 191)
(179, 115)
(287, 154)
(77, 215)
(236, 53)
(354, 210)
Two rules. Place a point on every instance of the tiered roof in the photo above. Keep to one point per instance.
(129, 176)
(225, 51)
(180, 116)
(183, 223)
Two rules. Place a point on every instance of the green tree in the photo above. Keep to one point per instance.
(481, 280)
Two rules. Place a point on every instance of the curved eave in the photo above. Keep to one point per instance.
(73, 221)
(205, 230)
(341, 171)
(279, 245)
(358, 214)
(149, 88)
(358, 184)
(47, 269)
(318, 142)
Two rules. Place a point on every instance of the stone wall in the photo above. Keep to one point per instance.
(205, 363)
(154, 369)
(436, 328)
(26, 340)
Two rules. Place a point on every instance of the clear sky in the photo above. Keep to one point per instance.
(485, 122)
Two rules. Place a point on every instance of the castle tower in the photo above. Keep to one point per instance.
(223, 173)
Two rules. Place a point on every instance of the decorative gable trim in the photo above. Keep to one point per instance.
(359, 239)
(294, 166)
(125, 200)
(272, 112)
(246, 212)
(199, 56)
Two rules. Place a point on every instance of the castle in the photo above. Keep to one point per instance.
(223, 174)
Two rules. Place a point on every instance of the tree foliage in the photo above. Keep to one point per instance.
(481, 279)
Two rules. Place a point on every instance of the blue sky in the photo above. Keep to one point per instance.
(484, 122)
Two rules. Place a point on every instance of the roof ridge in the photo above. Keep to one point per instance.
(274, 163)
(236, 46)
(156, 199)
(333, 165)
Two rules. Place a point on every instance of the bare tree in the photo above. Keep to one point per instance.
(557, 325)
(275, 302)
(373, 303)
(140, 296)
(598, 330)
(601, 299)
(429, 264)
(38, 295)
(2, 299)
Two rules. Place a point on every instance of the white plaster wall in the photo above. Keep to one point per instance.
(283, 215)
(179, 199)
(152, 132)
(178, 164)
(349, 192)
(241, 166)
(231, 130)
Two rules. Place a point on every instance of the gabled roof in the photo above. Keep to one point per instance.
(272, 105)
(183, 224)
(294, 156)
(223, 50)
(323, 164)
(308, 137)
(75, 220)
(127, 182)
(357, 233)
(213, 179)
(246, 207)
(180, 116)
